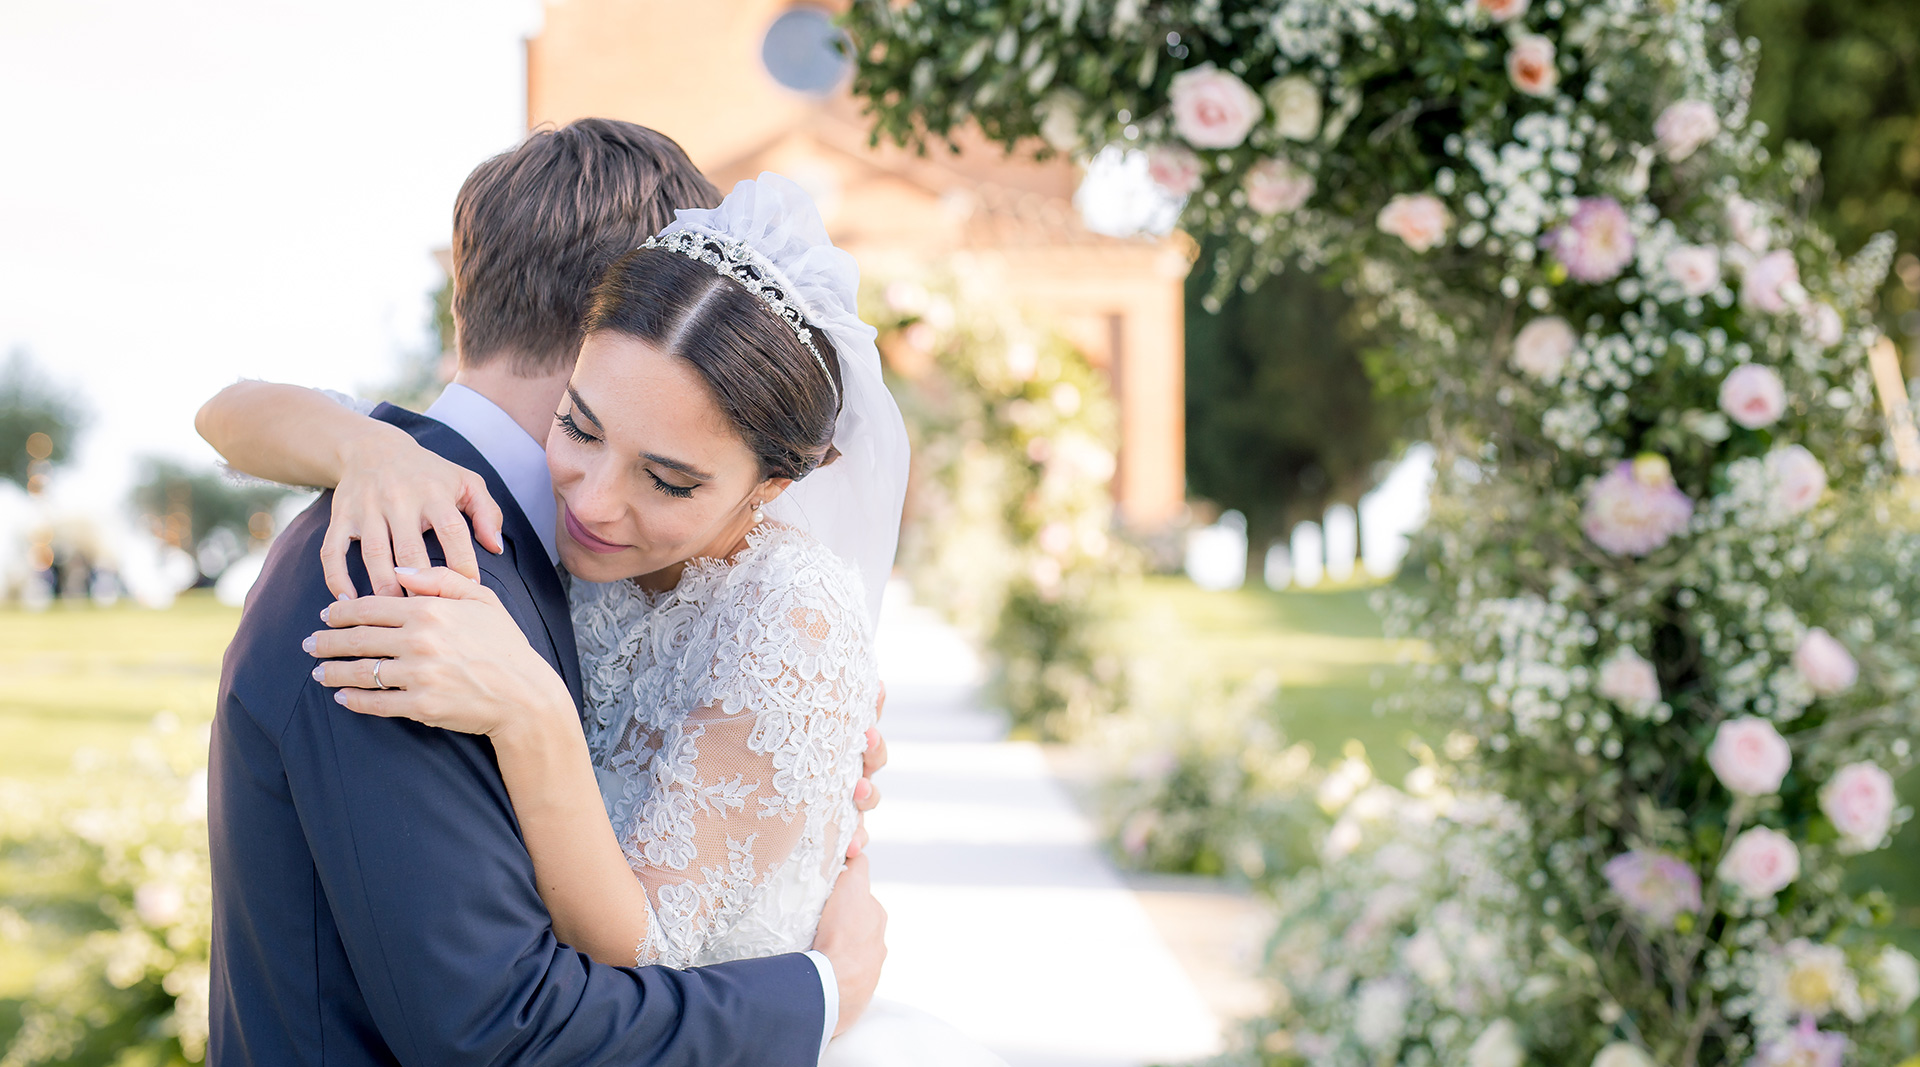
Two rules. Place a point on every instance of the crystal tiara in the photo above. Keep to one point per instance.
(744, 264)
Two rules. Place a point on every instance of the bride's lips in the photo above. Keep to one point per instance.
(586, 540)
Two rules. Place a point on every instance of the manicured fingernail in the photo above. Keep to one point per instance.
(319, 673)
(406, 570)
(873, 739)
(345, 596)
(862, 789)
(309, 644)
(340, 696)
(323, 612)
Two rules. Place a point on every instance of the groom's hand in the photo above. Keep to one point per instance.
(853, 935)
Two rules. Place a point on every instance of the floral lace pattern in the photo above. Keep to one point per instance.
(727, 720)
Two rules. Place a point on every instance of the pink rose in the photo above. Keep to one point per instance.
(1212, 108)
(1761, 862)
(1174, 168)
(1502, 10)
(1825, 325)
(1653, 885)
(1772, 283)
(1804, 1046)
(1795, 480)
(1419, 219)
(1543, 346)
(1596, 244)
(1825, 663)
(1627, 679)
(1635, 508)
(1753, 396)
(1530, 65)
(1684, 126)
(1745, 220)
(1275, 186)
(1749, 757)
(1858, 800)
(1694, 268)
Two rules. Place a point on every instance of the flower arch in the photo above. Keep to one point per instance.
(1669, 577)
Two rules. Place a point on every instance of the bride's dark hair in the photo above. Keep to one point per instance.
(766, 381)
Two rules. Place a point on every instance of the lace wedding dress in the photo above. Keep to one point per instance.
(727, 720)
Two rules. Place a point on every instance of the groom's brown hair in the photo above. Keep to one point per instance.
(533, 229)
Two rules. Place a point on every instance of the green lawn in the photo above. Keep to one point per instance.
(76, 678)
(1324, 645)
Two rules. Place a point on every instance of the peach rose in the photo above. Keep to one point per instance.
(1858, 800)
(1543, 346)
(1212, 108)
(1749, 757)
(1694, 268)
(1796, 480)
(1502, 10)
(1753, 396)
(1760, 863)
(1530, 63)
(1627, 679)
(1419, 219)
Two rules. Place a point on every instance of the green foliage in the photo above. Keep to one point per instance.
(1013, 451)
(1844, 76)
(30, 405)
(1281, 416)
(202, 510)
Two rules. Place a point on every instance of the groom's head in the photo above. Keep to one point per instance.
(534, 227)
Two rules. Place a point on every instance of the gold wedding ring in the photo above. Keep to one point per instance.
(377, 683)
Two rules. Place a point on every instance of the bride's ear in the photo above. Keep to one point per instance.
(771, 489)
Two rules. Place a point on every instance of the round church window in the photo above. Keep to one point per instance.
(803, 51)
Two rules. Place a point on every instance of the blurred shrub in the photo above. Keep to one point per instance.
(1009, 519)
(39, 424)
(117, 872)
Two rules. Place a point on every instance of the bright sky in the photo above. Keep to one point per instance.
(198, 190)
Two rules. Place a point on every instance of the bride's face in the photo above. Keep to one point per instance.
(647, 470)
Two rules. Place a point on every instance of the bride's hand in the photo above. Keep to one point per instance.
(389, 495)
(449, 656)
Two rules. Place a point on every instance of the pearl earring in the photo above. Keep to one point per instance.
(759, 516)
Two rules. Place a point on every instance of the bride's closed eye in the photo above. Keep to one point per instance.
(571, 428)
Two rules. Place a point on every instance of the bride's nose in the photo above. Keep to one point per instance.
(598, 497)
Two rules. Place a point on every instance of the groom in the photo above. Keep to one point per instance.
(373, 900)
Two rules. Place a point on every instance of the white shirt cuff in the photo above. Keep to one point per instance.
(830, 992)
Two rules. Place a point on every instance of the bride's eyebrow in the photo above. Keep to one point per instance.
(687, 469)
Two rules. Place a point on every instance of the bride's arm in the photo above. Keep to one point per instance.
(388, 490)
(459, 662)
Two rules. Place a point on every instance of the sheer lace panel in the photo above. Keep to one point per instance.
(728, 719)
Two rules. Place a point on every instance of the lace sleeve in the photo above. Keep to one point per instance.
(750, 809)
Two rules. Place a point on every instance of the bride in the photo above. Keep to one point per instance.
(725, 562)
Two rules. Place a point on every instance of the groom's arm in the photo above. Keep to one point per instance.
(414, 842)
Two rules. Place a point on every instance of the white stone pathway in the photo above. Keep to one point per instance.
(1006, 921)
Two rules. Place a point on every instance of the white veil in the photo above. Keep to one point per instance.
(853, 504)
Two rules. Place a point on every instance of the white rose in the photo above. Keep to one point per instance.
(1825, 663)
(1749, 757)
(1502, 10)
(1753, 396)
(1772, 283)
(1276, 187)
(1497, 1046)
(1530, 63)
(1825, 325)
(1858, 800)
(1622, 1054)
(1796, 480)
(1684, 126)
(1627, 679)
(1543, 346)
(1296, 108)
(1760, 863)
(1694, 268)
(1899, 978)
(1174, 168)
(1212, 108)
(1419, 219)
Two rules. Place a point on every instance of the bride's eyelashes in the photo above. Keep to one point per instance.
(571, 428)
(680, 492)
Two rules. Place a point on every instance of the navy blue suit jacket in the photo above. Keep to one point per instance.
(373, 900)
